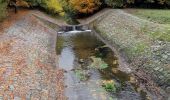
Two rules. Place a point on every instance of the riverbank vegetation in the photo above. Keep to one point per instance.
(77, 8)
(3, 6)
(156, 15)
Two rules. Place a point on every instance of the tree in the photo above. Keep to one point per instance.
(85, 6)
(51, 6)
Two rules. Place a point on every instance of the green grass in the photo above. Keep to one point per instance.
(159, 16)
(2, 10)
(161, 35)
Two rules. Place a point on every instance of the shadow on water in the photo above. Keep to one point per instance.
(75, 51)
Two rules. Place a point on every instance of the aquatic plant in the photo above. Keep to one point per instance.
(98, 63)
(81, 74)
(109, 86)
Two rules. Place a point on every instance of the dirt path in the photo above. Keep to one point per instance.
(28, 62)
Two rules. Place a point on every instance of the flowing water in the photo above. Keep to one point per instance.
(92, 69)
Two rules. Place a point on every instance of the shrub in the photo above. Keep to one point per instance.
(167, 2)
(137, 3)
(67, 8)
(22, 3)
(114, 3)
(51, 6)
(131, 1)
(70, 19)
(35, 3)
(85, 6)
(3, 6)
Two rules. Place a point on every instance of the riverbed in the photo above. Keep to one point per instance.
(92, 70)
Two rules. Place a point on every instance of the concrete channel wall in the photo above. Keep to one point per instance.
(122, 31)
(28, 62)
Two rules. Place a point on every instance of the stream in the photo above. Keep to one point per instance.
(91, 70)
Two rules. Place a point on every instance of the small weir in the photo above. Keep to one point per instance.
(91, 67)
(74, 29)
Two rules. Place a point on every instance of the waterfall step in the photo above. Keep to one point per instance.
(74, 29)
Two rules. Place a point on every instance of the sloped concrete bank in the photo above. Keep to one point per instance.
(28, 62)
(125, 33)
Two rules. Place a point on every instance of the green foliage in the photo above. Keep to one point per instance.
(70, 13)
(109, 86)
(98, 63)
(51, 6)
(74, 7)
(130, 1)
(81, 74)
(3, 6)
(167, 2)
(120, 3)
(35, 2)
(149, 1)
(67, 8)
(85, 6)
(114, 3)
(70, 19)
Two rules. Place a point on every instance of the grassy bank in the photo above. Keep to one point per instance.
(156, 15)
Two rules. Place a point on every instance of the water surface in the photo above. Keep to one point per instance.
(75, 51)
